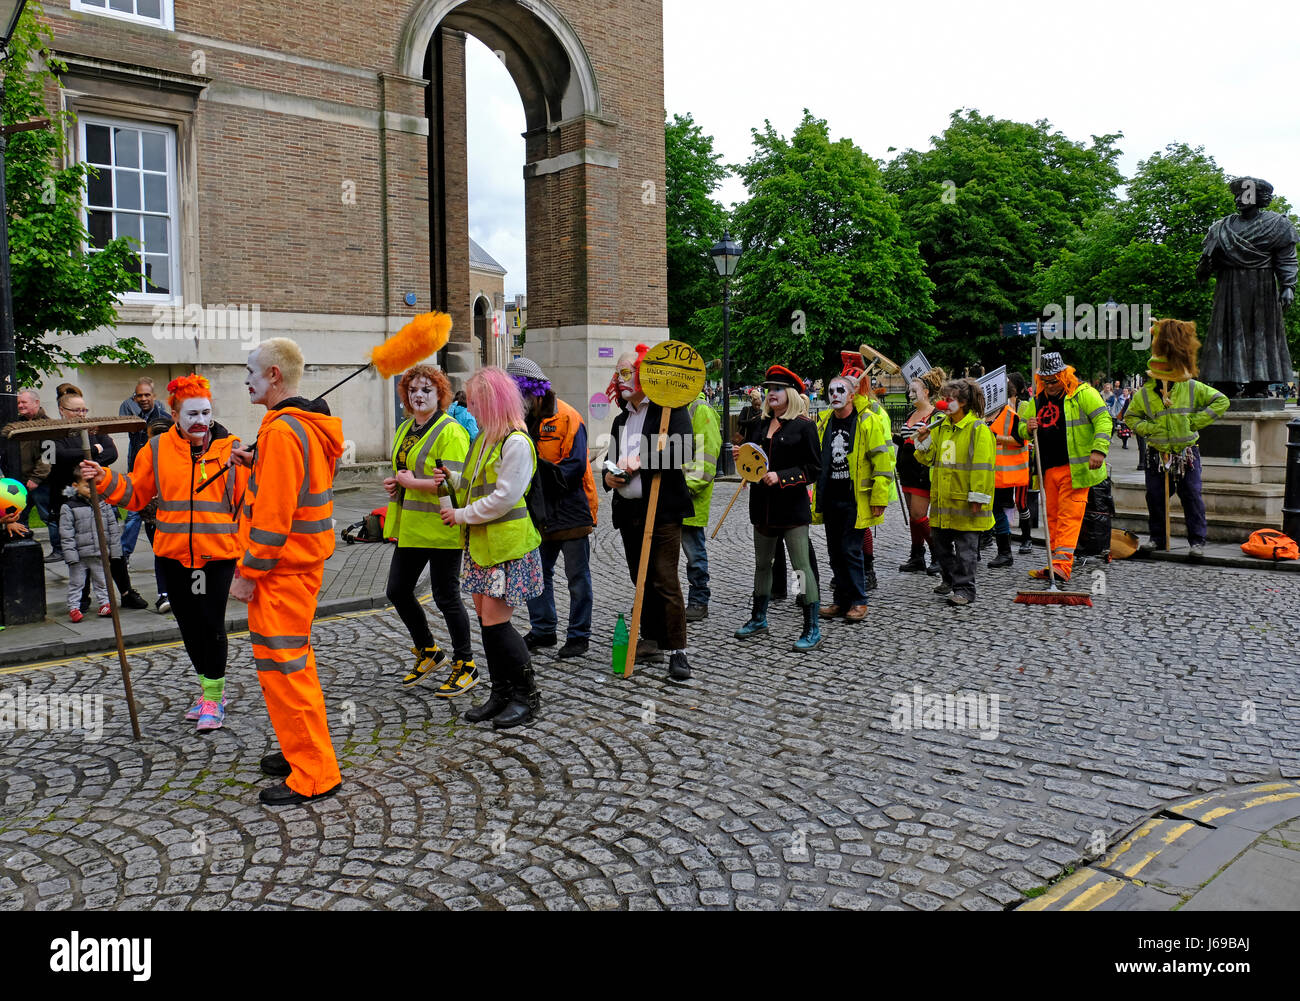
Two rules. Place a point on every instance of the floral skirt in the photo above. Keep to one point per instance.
(514, 581)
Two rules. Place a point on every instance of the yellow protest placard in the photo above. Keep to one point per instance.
(672, 374)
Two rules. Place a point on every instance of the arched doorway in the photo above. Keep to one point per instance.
(593, 170)
(482, 331)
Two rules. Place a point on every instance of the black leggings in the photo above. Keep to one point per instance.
(201, 616)
(444, 579)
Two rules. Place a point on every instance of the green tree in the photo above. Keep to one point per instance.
(988, 204)
(827, 264)
(695, 223)
(59, 290)
(1144, 251)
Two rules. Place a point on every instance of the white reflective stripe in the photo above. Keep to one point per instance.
(197, 527)
(257, 563)
(283, 666)
(512, 515)
(1092, 414)
(262, 537)
(296, 427)
(430, 436)
(279, 642)
(155, 443)
(313, 527)
(207, 507)
(316, 500)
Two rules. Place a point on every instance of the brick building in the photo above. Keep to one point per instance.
(300, 170)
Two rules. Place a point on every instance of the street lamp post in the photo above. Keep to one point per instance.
(1111, 307)
(22, 578)
(726, 255)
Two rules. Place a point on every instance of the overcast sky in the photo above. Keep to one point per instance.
(889, 74)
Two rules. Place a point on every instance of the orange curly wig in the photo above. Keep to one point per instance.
(187, 387)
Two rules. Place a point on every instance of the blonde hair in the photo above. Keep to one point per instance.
(285, 355)
(796, 405)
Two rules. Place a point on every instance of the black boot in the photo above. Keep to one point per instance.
(497, 701)
(869, 571)
(934, 570)
(1003, 559)
(129, 597)
(915, 560)
(495, 658)
(525, 703)
(1026, 543)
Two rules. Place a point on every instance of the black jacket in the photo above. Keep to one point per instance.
(566, 511)
(795, 455)
(68, 455)
(675, 503)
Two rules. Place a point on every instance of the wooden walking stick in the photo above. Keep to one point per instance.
(104, 425)
(1167, 498)
(671, 375)
(751, 466)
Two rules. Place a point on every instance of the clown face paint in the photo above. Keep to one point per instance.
(422, 396)
(839, 394)
(257, 379)
(194, 418)
(776, 400)
(626, 376)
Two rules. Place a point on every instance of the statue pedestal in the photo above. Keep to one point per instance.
(1243, 476)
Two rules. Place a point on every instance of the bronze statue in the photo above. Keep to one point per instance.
(1253, 255)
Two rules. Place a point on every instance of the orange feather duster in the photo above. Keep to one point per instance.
(425, 335)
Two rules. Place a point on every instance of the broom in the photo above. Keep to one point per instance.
(55, 428)
(425, 335)
(1054, 595)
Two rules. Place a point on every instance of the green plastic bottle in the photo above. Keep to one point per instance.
(620, 646)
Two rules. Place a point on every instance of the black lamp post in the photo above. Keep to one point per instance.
(22, 573)
(726, 255)
(1111, 307)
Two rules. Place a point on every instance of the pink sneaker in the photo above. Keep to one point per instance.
(211, 716)
(196, 710)
(75, 615)
(105, 612)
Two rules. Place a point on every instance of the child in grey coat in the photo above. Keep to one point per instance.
(81, 545)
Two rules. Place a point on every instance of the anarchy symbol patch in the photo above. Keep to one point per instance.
(1049, 415)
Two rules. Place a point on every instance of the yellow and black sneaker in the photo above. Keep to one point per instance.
(431, 658)
(463, 677)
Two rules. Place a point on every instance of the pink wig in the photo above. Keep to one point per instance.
(493, 398)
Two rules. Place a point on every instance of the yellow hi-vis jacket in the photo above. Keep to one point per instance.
(961, 459)
(1174, 429)
(703, 467)
(1088, 425)
(871, 463)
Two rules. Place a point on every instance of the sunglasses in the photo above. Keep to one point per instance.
(625, 373)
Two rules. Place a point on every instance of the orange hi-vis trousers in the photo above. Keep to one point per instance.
(1065, 508)
(279, 619)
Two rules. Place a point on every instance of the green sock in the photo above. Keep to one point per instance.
(213, 688)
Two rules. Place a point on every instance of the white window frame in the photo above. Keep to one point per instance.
(166, 20)
(173, 295)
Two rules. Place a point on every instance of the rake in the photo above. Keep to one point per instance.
(22, 430)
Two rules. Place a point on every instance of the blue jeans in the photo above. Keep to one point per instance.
(41, 499)
(577, 568)
(697, 565)
(1188, 489)
(130, 533)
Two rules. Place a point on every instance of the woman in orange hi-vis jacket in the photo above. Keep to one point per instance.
(196, 538)
(287, 530)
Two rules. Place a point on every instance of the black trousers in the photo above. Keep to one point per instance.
(444, 580)
(958, 557)
(198, 598)
(663, 610)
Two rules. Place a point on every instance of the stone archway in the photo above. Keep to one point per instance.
(482, 311)
(590, 76)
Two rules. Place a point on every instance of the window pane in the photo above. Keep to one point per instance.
(92, 3)
(127, 224)
(155, 192)
(99, 189)
(100, 225)
(128, 189)
(128, 147)
(155, 234)
(125, 6)
(155, 151)
(97, 144)
(149, 8)
(157, 272)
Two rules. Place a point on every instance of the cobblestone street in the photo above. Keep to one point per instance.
(770, 781)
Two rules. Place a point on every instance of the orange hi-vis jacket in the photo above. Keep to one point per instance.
(191, 528)
(1011, 466)
(287, 524)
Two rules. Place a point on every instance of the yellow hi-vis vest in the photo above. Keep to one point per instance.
(513, 535)
(961, 459)
(416, 523)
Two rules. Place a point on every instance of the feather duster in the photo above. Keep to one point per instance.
(425, 335)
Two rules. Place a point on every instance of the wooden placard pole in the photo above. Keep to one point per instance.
(112, 593)
(643, 565)
(734, 497)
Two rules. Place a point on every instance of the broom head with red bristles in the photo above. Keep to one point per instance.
(1054, 596)
(427, 334)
